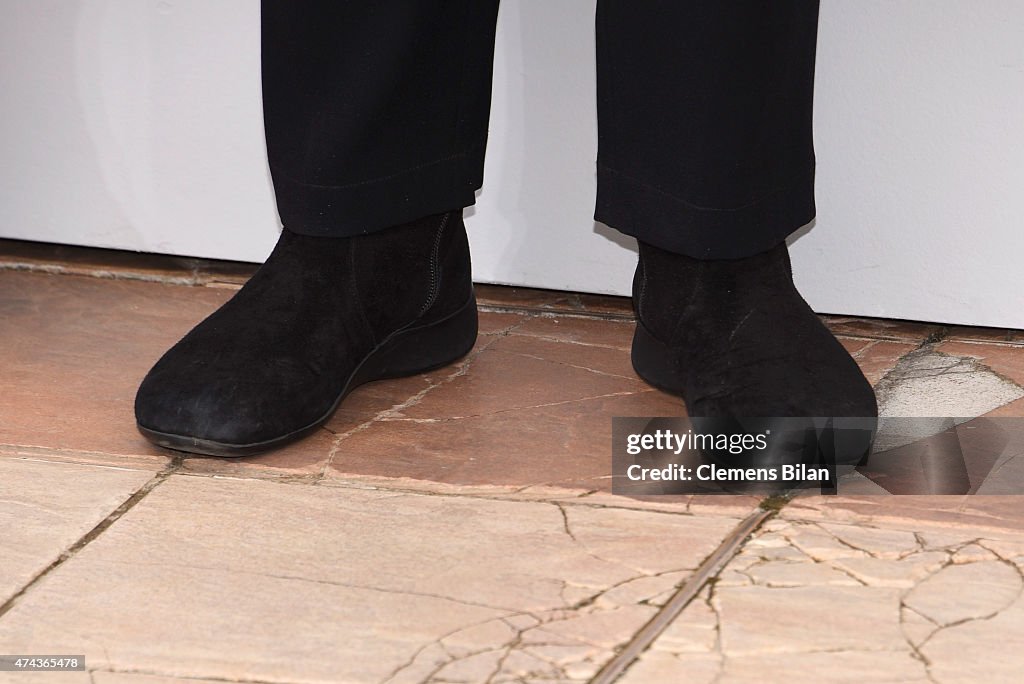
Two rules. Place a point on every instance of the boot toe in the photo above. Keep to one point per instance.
(183, 402)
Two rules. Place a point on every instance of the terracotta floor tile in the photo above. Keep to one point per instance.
(75, 350)
(881, 328)
(365, 403)
(588, 331)
(77, 347)
(812, 601)
(496, 323)
(199, 577)
(879, 357)
(515, 372)
(594, 359)
(46, 507)
(566, 444)
(1004, 360)
(854, 345)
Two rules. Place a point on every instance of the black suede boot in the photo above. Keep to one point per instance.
(319, 318)
(735, 339)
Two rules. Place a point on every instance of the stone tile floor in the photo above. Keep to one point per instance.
(458, 526)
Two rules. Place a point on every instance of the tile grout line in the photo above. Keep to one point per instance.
(95, 532)
(575, 496)
(542, 312)
(707, 571)
(573, 500)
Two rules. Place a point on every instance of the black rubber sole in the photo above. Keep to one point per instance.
(406, 352)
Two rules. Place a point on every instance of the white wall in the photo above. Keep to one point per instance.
(136, 124)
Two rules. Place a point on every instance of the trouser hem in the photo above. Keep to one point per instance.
(369, 206)
(671, 223)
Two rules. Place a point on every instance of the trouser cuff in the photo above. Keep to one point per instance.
(366, 207)
(663, 220)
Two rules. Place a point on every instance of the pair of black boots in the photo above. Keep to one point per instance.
(325, 315)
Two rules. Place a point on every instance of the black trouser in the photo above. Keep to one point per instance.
(376, 114)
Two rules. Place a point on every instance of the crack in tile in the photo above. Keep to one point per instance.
(310, 580)
(918, 648)
(382, 484)
(438, 641)
(705, 575)
(521, 643)
(763, 550)
(448, 419)
(719, 649)
(499, 666)
(586, 549)
(571, 365)
(543, 644)
(509, 329)
(915, 647)
(97, 530)
(860, 353)
(578, 343)
(595, 598)
(462, 368)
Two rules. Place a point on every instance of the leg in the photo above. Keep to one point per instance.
(375, 111)
(376, 114)
(705, 122)
(706, 157)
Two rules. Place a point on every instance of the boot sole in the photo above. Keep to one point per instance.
(405, 352)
